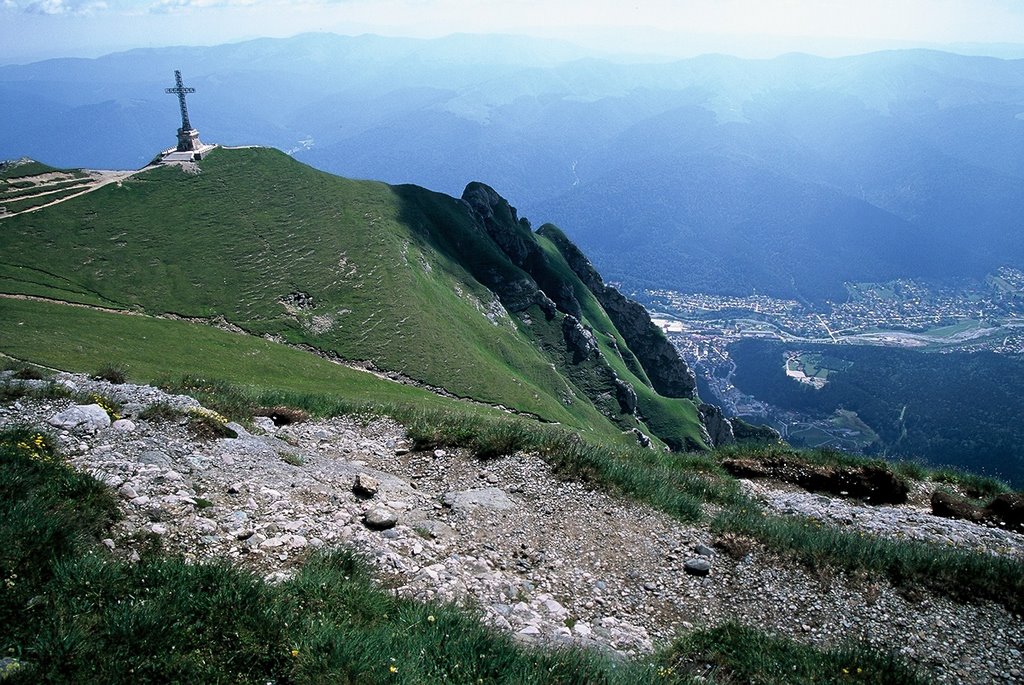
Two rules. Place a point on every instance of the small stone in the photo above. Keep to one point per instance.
(109, 543)
(553, 607)
(704, 551)
(488, 498)
(127, 491)
(439, 454)
(155, 458)
(158, 528)
(697, 567)
(123, 425)
(264, 423)
(380, 518)
(365, 485)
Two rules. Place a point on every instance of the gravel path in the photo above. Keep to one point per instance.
(545, 559)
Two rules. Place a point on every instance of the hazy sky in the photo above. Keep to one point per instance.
(33, 29)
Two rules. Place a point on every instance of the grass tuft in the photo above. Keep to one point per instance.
(161, 411)
(111, 373)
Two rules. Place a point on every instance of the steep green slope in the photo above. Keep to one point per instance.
(408, 280)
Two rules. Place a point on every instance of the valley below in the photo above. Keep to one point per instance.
(919, 323)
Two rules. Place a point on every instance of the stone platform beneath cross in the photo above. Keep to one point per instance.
(176, 155)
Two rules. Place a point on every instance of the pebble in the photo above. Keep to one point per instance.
(697, 567)
(380, 518)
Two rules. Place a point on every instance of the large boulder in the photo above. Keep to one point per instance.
(87, 418)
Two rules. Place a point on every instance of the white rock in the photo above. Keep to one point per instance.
(123, 425)
(87, 418)
(205, 525)
(554, 607)
(582, 629)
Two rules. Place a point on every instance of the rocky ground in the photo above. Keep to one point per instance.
(545, 559)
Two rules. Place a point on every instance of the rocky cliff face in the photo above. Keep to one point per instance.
(669, 374)
(719, 428)
(515, 238)
(540, 282)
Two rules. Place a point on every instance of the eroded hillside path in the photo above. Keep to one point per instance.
(95, 179)
(545, 559)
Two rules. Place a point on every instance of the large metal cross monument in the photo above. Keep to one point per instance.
(188, 137)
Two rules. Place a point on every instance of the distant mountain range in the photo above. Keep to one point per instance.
(716, 174)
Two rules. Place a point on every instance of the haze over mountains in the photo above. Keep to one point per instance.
(786, 176)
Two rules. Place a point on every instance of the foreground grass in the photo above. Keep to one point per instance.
(71, 612)
(737, 654)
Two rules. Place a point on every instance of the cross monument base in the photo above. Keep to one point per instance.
(188, 140)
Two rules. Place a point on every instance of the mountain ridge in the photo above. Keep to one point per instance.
(469, 270)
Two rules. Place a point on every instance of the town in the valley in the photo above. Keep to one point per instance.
(970, 316)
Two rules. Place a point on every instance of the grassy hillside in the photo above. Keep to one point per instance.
(393, 276)
(152, 350)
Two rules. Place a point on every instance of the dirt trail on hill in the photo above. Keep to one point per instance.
(99, 179)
